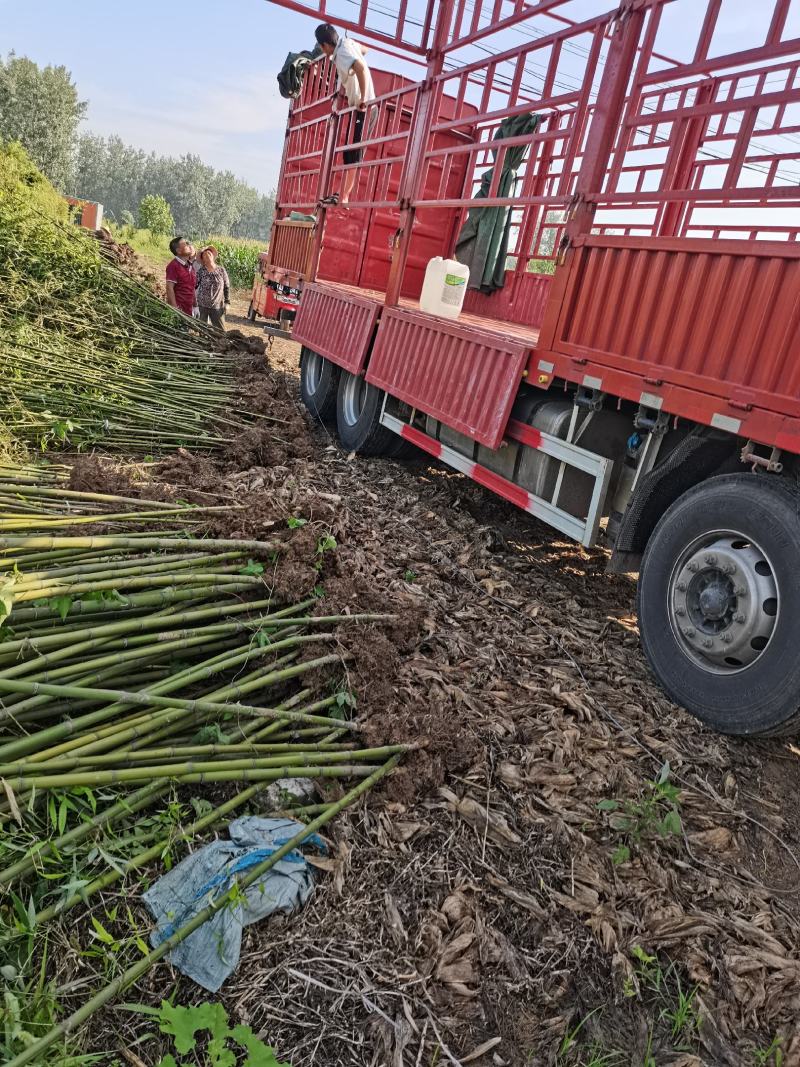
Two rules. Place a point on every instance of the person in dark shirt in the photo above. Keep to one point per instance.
(180, 276)
(213, 289)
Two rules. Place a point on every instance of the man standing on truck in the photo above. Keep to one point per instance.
(355, 81)
(181, 276)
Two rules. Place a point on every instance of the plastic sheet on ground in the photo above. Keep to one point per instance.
(210, 954)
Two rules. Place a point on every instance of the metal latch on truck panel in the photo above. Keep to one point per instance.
(771, 463)
(592, 399)
(651, 420)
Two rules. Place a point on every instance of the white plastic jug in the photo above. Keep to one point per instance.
(444, 288)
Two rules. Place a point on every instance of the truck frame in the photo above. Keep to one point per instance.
(635, 382)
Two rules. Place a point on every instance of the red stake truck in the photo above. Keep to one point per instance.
(633, 378)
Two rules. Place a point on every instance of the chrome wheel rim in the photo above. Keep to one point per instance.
(723, 602)
(312, 371)
(355, 391)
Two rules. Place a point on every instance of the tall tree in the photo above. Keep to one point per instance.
(203, 201)
(39, 107)
(155, 216)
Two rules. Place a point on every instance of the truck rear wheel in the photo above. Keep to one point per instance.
(358, 413)
(319, 383)
(719, 604)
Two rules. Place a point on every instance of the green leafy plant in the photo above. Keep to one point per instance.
(27, 1010)
(211, 1021)
(240, 260)
(324, 544)
(155, 215)
(294, 522)
(654, 814)
(410, 576)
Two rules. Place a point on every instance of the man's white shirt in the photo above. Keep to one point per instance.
(346, 53)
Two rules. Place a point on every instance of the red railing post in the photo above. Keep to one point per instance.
(680, 164)
(331, 133)
(421, 123)
(627, 30)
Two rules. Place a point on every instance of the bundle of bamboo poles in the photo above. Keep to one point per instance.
(139, 674)
(89, 355)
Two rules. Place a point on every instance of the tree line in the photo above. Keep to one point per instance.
(40, 107)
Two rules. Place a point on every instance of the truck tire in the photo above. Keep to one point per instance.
(358, 412)
(719, 604)
(319, 384)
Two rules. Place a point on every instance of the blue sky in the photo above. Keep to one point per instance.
(173, 76)
(177, 76)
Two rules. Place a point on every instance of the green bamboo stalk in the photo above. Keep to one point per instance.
(189, 772)
(142, 966)
(154, 582)
(36, 706)
(132, 602)
(21, 522)
(188, 676)
(23, 746)
(298, 755)
(175, 752)
(117, 568)
(25, 488)
(148, 622)
(151, 792)
(99, 541)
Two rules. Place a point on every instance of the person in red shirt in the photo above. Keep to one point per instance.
(180, 276)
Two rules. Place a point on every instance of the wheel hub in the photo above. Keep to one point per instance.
(313, 370)
(716, 599)
(723, 602)
(353, 399)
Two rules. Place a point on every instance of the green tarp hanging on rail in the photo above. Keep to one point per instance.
(483, 242)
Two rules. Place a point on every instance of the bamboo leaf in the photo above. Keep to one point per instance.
(12, 801)
(101, 933)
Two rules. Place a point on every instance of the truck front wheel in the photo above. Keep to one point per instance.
(719, 604)
(319, 384)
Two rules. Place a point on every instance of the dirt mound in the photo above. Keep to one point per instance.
(237, 341)
(122, 255)
(91, 474)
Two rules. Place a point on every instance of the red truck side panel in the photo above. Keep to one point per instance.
(339, 324)
(720, 317)
(466, 378)
(522, 299)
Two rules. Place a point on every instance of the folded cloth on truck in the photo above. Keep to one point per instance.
(210, 954)
(290, 78)
(482, 244)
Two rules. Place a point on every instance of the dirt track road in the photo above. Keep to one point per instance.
(482, 906)
(491, 900)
